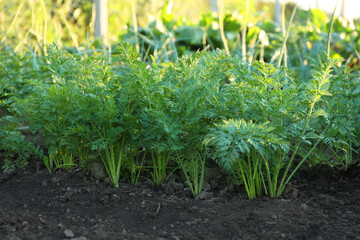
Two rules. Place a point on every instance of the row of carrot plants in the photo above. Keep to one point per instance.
(258, 122)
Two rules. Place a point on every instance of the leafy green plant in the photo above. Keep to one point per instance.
(64, 108)
(15, 71)
(284, 114)
(193, 168)
(243, 148)
(339, 143)
(315, 90)
(59, 158)
(14, 148)
(160, 164)
(135, 165)
(147, 109)
(113, 161)
(196, 86)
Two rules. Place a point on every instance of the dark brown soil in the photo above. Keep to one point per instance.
(320, 204)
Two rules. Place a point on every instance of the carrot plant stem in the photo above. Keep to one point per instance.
(330, 30)
(222, 31)
(286, 36)
(243, 32)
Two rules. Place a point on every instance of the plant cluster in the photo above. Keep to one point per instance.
(16, 72)
(285, 121)
(258, 122)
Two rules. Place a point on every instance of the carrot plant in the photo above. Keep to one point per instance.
(15, 73)
(144, 105)
(63, 107)
(15, 150)
(339, 144)
(279, 116)
(195, 86)
(243, 149)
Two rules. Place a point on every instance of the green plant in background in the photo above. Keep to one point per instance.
(15, 71)
(168, 35)
(343, 106)
(30, 25)
(15, 150)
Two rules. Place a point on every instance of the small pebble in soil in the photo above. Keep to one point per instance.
(304, 206)
(8, 171)
(205, 195)
(231, 187)
(44, 183)
(55, 180)
(193, 209)
(214, 184)
(42, 220)
(62, 199)
(294, 194)
(206, 186)
(68, 233)
(222, 192)
(98, 171)
(177, 186)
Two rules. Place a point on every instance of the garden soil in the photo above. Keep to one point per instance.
(321, 203)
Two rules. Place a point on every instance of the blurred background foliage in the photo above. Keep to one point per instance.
(70, 22)
(170, 29)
